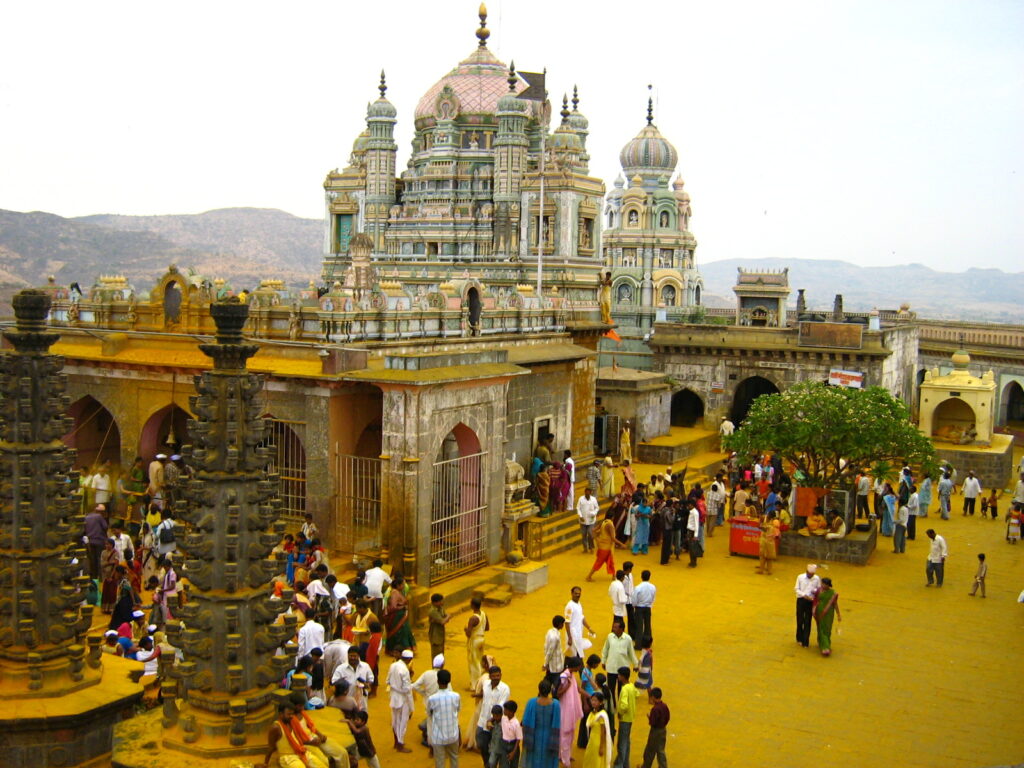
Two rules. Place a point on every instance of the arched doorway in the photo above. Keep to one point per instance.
(95, 435)
(746, 393)
(165, 432)
(687, 408)
(951, 419)
(288, 460)
(458, 529)
(475, 308)
(172, 303)
(1012, 405)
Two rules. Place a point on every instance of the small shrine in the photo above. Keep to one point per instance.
(957, 407)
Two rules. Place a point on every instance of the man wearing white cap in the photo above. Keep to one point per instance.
(807, 586)
(400, 687)
(426, 686)
(157, 477)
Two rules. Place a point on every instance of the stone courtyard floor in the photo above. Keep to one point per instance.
(919, 677)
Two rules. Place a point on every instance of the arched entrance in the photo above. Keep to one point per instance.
(687, 409)
(458, 530)
(172, 303)
(95, 435)
(1012, 405)
(951, 419)
(475, 308)
(165, 432)
(746, 393)
(288, 460)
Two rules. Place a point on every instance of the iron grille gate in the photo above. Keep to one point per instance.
(457, 517)
(357, 512)
(289, 461)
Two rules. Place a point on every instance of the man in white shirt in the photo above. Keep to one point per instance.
(971, 489)
(101, 484)
(643, 602)
(554, 651)
(577, 621)
(937, 555)
(156, 478)
(570, 470)
(426, 686)
(807, 587)
(400, 688)
(310, 636)
(863, 489)
(617, 594)
(375, 580)
(494, 691)
(586, 510)
(122, 543)
(358, 675)
(726, 428)
(899, 534)
(627, 584)
(715, 499)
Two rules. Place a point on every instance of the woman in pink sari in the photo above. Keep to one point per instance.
(628, 478)
(559, 486)
(570, 707)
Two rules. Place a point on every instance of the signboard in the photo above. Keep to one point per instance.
(831, 335)
(852, 379)
(717, 387)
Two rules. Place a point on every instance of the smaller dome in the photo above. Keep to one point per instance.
(648, 152)
(663, 192)
(381, 108)
(359, 145)
(509, 103)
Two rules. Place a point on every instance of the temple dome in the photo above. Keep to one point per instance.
(478, 83)
(648, 153)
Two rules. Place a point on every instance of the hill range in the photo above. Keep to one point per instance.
(245, 245)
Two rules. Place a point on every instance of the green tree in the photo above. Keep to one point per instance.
(817, 427)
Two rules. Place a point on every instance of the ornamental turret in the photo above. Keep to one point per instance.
(381, 154)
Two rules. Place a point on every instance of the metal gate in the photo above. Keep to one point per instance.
(357, 526)
(289, 461)
(458, 507)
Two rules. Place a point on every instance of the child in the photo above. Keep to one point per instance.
(361, 734)
(1013, 525)
(511, 735)
(645, 671)
(979, 577)
(993, 505)
(496, 747)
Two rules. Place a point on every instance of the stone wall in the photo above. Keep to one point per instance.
(993, 467)
(550, 391)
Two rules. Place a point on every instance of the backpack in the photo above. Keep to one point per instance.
(166, 533)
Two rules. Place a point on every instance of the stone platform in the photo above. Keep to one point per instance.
(992, 464)
(679, 445)
(855, 548)
(526, 577)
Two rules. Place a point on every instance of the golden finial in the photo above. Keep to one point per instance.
(575, 99)
(565, 108)
(650, 105)
(483, 33)
(512, 79)
(383, 87)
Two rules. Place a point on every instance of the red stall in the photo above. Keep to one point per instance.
(744, 536)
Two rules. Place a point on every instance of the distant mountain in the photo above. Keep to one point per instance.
(245, 245)
(978, 294)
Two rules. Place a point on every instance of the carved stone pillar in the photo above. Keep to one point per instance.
(43, 659)
(230, 671)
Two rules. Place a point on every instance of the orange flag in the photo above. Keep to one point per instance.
(612, 335)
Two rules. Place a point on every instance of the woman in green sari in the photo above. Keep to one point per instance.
(826, 608)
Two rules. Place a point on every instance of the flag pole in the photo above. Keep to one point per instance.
(540, 212)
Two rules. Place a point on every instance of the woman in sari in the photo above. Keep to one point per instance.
(599, 742)
(924, 496)
(628, 478)
(607, 488)
(570, 705)
(541, 724)
(559, 486)
(108, 562)
(641, 527)
(542, 482)
(888, 512)
(826, 608)
(396, 620)
(618, 513)
(657, 519)
(469, 740)
(770, 532)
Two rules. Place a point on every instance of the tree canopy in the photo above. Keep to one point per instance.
(815, 426)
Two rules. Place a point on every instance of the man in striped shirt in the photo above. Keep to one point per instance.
(443, 713)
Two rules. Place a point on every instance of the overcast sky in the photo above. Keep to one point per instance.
(875, 132)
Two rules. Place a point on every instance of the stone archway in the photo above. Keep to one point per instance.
(164, 432)
(952, 418)
(687, 409)
(1011, 405)
(458, 525)
(747, 392)
(95, 434)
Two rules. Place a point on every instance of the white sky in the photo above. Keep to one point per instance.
(875, 132)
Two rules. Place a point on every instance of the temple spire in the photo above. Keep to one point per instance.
(575, 99)
(483, 33)
(383, 87)
(565, 108)
(513, 80)
(650, 105)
